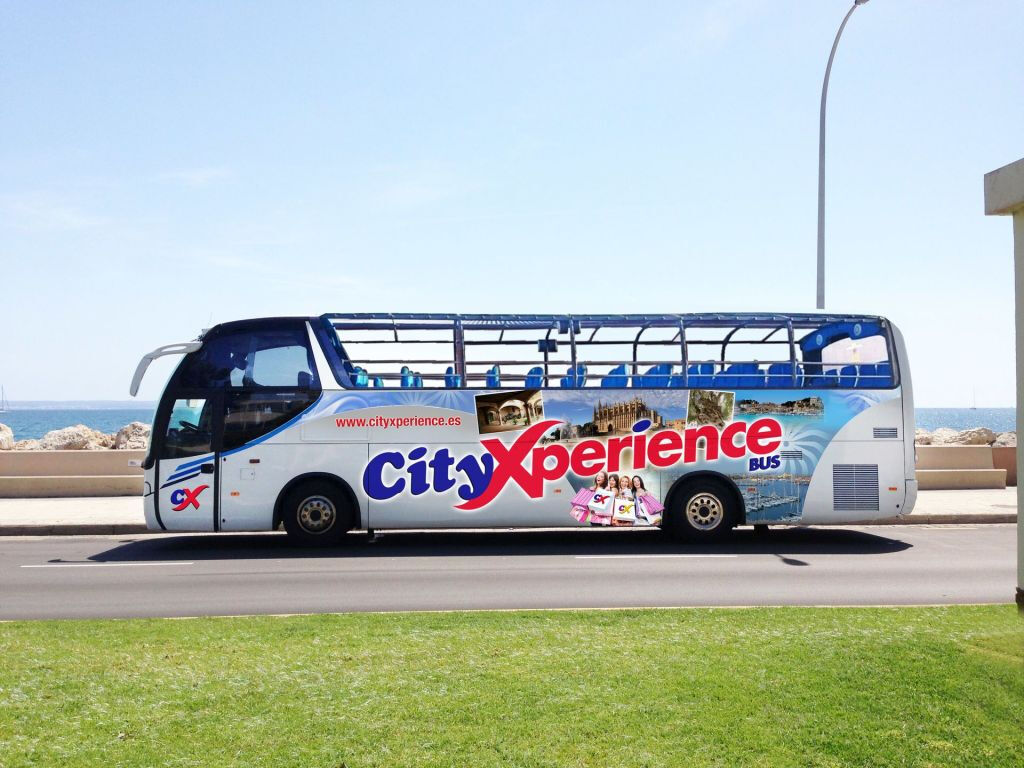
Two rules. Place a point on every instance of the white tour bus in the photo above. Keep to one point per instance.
(693, 423)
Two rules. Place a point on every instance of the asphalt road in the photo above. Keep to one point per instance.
(199, 575)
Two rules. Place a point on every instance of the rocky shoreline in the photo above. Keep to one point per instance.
(136, 435)
(973, 436)
(79, 438)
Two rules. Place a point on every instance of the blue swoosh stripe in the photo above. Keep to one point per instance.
(175, 481)
(182, 473)
(192, 463)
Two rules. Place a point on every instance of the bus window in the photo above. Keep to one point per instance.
(252, 414)
(189, 430)
(271, 358)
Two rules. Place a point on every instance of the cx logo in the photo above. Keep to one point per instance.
(182, 497)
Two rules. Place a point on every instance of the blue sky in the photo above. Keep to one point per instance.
(168, 166)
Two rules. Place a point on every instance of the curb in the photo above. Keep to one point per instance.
(118, 529)
(73, 529)
(969, 518)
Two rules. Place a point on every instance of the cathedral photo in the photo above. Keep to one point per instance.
(619, 418)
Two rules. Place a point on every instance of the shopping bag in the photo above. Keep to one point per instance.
(582, 514)
(582, 497)
(651, 505)
(625, 509)
(601, 503)
(600, 519)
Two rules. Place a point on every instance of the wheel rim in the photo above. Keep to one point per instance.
(316, 514)
(705, 511)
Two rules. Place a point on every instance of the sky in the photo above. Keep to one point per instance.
(168, 166)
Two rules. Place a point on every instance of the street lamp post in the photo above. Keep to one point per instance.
(821, 158)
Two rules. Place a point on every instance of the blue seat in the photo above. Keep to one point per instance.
(452, 380)
(741, 376)
(825, 381)
(847, 377)
(494, 377)
(698, 375)
(408, 380)
(885, 375)
(378, 382)
(576, 377)
(417, 380)
(359, 377)
(781, 375)
(656, 377)
(616, 378)
(534, 377)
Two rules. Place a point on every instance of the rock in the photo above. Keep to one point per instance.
(922, 437)
(134, 435)
(944, 436)
(975, 436)
(76, 438)
(6, 438)
(26, 445)
(1007, 439)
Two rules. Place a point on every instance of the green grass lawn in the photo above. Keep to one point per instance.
(695, 687)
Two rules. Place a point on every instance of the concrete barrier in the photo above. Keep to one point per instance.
(55, 463)
(1005, 457)
(957, 467)
(37, 474)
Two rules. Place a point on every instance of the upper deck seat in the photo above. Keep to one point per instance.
(359, 377)
(781, 375)
(408, 379)
(616, 378)
(417, 381)
(576, 377)
(534, 377)
(741, 375)
(699, 375)
(378, 382)
(885, 375)
(827, 380)
(494, 377)
(656, 377)
(847, 377)
(452, 380)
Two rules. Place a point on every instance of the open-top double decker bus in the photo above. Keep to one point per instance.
(371, 421)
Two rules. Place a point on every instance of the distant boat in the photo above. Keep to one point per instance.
(974, 401)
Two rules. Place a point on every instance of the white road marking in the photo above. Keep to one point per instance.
(640, 557)
(97, 565)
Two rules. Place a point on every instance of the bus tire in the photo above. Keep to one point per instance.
(316, 513)
(701, 510)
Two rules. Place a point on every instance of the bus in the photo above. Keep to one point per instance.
(691, 423)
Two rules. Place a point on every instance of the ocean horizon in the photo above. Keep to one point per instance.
(32, 419)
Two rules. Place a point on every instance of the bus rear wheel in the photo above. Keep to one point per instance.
(316, 513)
(701, 510)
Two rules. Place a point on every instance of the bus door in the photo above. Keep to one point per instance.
(187, 464)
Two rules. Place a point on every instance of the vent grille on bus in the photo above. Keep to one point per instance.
(792, 455)
(885, 432)
(855, 487)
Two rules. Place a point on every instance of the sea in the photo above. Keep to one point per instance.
(33, 420)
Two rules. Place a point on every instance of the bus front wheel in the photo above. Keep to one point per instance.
(316, 514)
(703, 509)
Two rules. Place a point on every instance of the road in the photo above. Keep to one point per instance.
(202, 575)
